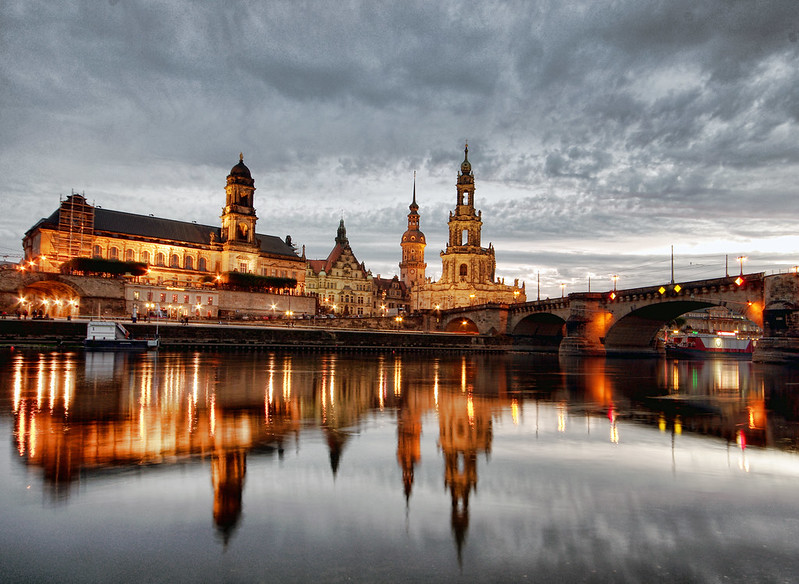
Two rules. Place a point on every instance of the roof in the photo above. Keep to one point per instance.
(326, 265)
(152, 227)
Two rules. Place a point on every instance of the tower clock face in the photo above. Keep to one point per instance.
(413, 271)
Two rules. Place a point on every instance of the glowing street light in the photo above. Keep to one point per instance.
(615, 278)
(741, 260)
(562, 289)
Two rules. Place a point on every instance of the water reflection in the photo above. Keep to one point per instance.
(76, 415)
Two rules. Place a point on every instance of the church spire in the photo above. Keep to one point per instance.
(341, 235)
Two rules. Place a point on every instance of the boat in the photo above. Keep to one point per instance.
(695, 345)
(110, 335)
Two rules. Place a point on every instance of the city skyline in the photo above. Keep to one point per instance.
(598, 137)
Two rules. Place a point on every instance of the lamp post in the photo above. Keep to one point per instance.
(741, 260)
(563, 289)
(615, 278)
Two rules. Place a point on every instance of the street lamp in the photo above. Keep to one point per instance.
(741, 260)
(562, 289)
(615, 278)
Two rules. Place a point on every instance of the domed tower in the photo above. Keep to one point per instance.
(412, 266)
(238, 216)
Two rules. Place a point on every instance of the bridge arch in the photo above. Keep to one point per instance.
(637, 330)
(462, 324)
(541, 328)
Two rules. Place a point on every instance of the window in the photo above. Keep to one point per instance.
(97, 252)
(464, 270)
(464, 237)
(135, 294)
(199, 299)
(174, 261)
(186, 299)
(188, 263)
(129, 255)
(202, 265)
(159, 259)
(113, 253)
(243, 267)
(145, 257)
(174, 299)
(210, 300)
(163, 297)
(150, 296)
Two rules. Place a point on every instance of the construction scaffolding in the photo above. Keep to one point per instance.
(75, 228)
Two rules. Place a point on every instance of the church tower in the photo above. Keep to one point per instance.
(238, 216)
(464, 260)
(240, 248)
(412, 267)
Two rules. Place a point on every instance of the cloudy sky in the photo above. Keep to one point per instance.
(600, 133)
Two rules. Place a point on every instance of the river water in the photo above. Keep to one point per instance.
(298, 467)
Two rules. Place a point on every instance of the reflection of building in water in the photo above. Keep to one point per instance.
(464, 423)
(149, 413)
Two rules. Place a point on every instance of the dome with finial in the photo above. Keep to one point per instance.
(466, 166)
(241, 169)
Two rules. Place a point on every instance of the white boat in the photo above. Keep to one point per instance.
(110, 335)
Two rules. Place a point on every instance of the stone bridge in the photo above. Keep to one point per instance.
(60, 295)
(627, 321)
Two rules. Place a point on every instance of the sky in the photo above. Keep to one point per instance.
(601, 133)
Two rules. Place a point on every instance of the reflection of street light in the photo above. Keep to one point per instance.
(741, 260)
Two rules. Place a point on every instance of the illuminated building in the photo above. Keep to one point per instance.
(182, 257)
(342, 283)
(468, 269)
(412, 267)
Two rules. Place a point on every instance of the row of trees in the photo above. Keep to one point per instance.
(230, 280)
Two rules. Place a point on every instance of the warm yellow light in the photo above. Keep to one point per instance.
(677, 288)
(662, 290)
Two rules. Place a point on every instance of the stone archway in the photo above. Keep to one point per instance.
(543, 329)
(49, 299)
(462, 325)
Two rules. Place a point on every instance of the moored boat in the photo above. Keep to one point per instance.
(709, 345)
(110, 335)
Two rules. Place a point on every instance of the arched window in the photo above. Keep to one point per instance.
(145, 257)
(97, 252)
(464, 269)
(188, 263)
(174, 261)
(159, 259)
(202, 265)
(129, 255)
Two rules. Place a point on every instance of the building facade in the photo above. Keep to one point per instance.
(342, 284)
(183, 259)
(468, 269)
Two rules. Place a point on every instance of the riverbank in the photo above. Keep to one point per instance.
(215, 336)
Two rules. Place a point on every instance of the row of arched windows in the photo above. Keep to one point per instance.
(157, 259)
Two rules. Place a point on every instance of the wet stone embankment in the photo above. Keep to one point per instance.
(213, 337)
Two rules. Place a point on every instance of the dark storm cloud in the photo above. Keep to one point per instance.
(589, 123)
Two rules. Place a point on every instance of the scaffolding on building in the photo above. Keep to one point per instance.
(75, 228)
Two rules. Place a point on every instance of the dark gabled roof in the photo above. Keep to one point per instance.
(166, 229)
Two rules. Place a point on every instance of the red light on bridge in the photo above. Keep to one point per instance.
(613, 296)
(739, 281)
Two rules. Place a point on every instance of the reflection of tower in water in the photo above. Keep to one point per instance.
(227, 475)
(464, 431)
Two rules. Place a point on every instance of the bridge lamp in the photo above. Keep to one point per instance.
(562, 289)
(615, 278)
(741, 260)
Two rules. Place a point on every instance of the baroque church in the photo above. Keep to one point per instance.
(468, 269)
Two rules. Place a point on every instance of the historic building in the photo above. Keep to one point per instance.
(412, 267)
(182, 258)
(342, 283)
(468, 269)
(391, 296)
